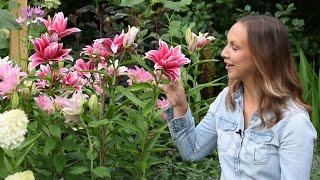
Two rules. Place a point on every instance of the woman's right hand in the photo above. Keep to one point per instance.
(177, 98)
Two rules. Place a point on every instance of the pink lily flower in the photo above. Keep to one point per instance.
(114, 47)
(139, 75)
(45, 103)
(97, 50)
(44, 71)
(195, 41)
(58, 25)
(47, 49)
(83, 66)
(163, 104)
(42, 83)
(74, 107)
(203, 40)
(9, 78)
(168, 60)
(130, 36)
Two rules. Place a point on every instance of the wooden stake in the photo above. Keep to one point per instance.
(19, 40)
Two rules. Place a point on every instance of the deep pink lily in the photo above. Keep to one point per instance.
(59, 25)
(48, 49)
(168, 60)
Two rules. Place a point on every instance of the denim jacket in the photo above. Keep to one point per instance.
(281, 152)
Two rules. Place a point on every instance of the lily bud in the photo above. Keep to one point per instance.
(93, 102)
(15, 100)
(188, 35)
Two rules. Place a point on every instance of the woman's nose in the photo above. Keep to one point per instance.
(224, 53)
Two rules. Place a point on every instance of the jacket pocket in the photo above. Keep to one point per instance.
(226, 132)
(259, 147)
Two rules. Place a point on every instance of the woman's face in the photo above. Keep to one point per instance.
(237, 55)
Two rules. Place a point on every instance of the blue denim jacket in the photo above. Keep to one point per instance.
(281, 152)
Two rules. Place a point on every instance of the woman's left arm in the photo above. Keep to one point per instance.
(296, 148)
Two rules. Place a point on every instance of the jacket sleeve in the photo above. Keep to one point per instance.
(195, 143)
(296, 148)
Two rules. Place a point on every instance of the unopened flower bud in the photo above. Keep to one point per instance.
(93, 102)
(15, 100)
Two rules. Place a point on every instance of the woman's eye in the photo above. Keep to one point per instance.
(234, 48)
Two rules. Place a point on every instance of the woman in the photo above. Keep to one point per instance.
(258, 123)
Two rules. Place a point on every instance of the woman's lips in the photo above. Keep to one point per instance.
(229, 66)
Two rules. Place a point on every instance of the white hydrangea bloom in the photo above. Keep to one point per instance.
(5, 60)
(13, 127)
(25, 175)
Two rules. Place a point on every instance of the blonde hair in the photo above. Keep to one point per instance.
(276, 77)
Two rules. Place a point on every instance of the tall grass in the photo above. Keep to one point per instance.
(311, 86)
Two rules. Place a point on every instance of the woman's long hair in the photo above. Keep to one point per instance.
(276, 77)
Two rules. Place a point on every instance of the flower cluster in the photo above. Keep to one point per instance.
(9, 76)
(13, 127)
(30, 15)
(25, 175)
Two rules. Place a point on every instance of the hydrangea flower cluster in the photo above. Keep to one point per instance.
(25, 175)
(13, 127)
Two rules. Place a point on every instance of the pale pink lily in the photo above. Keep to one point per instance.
(195, 41)
(59, 25)
(83, 66)
(130, 36)
(203, 40)
(114, 47)
(44, 71)
(97, 50)
(139, 75)
(48, 50)
(163, 104)
(9, 78)
(120, 70)
(42, 83)
(45, 103)
(74, 80)
(74, 107)
(168, 60)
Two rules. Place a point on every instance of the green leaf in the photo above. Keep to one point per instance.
(128, 125)
(7, 20)
(102, 171)
(59, 162)
(131, 96)
(98, 123)
(55, 131)
(13, 5)
(130, 3)
(29, 140)
(7, 163)
(23, 155)
(139, 86)
(4, 43)
(203, 61)
(148, 108)
(177, 6)
(3, 171)
(78, 170)
(49, 145)
(150, 144)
